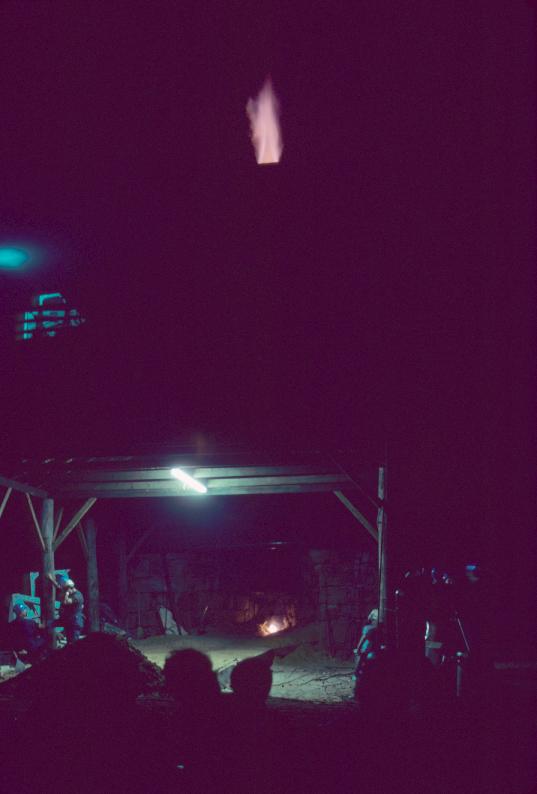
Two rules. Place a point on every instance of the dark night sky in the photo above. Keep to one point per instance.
(378, 283)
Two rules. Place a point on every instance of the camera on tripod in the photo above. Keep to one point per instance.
(431, 610)
(445, 635)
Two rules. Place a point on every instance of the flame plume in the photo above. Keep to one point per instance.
(264, 122)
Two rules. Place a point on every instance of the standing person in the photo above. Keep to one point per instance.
(72, 611)
(370, 640)
(71, 615)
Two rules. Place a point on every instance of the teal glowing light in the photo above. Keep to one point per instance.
(11, 258)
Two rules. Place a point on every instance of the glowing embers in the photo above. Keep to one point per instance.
(263, 113)
(277, 623)
(188, 482)
(273, 626)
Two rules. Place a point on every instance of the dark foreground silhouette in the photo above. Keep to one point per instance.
(97, 716)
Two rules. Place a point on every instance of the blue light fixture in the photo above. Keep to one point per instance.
(12, 258)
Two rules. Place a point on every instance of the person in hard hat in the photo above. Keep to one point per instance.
(27, 639)
(71, 614)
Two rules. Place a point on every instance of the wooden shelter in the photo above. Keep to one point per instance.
(62, 481)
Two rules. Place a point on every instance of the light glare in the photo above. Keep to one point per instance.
(12, 257)
(188, 481)
(263, 113)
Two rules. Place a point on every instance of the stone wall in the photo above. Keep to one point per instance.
(186, 584)
(347, 591)
(337, 588)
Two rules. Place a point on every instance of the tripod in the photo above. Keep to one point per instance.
(458, 657)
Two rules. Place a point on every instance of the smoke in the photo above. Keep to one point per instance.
(265, 125)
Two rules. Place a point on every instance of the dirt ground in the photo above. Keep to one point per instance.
(300, 673)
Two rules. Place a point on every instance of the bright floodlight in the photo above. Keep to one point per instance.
(187, 480)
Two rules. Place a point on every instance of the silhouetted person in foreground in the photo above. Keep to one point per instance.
(84, 728)
(251, 680)
(223, 742)
(199, 736)
(478, 608)
(191, 680)
(262, 763)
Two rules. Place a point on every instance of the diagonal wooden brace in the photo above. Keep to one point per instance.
(143, 537)
(88, 504)
(58, 523)
(5, 499)
(82, 539)
(35, 521)
(359, 516)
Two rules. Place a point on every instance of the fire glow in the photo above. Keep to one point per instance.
(273, 626)
(263, 113)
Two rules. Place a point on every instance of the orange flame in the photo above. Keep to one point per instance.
(273, 626)
(265, 126)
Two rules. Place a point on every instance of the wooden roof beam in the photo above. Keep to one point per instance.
(146, 490)
(22, 487)
(161, 473)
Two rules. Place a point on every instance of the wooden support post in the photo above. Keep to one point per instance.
(122, 580)
(382, 565)
(47, 569)
(170, 590)
(385, 600)
(93, 576)
(4, 500)
(319, 557)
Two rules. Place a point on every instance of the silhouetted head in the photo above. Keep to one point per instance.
(190, 677)
(251, 679)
